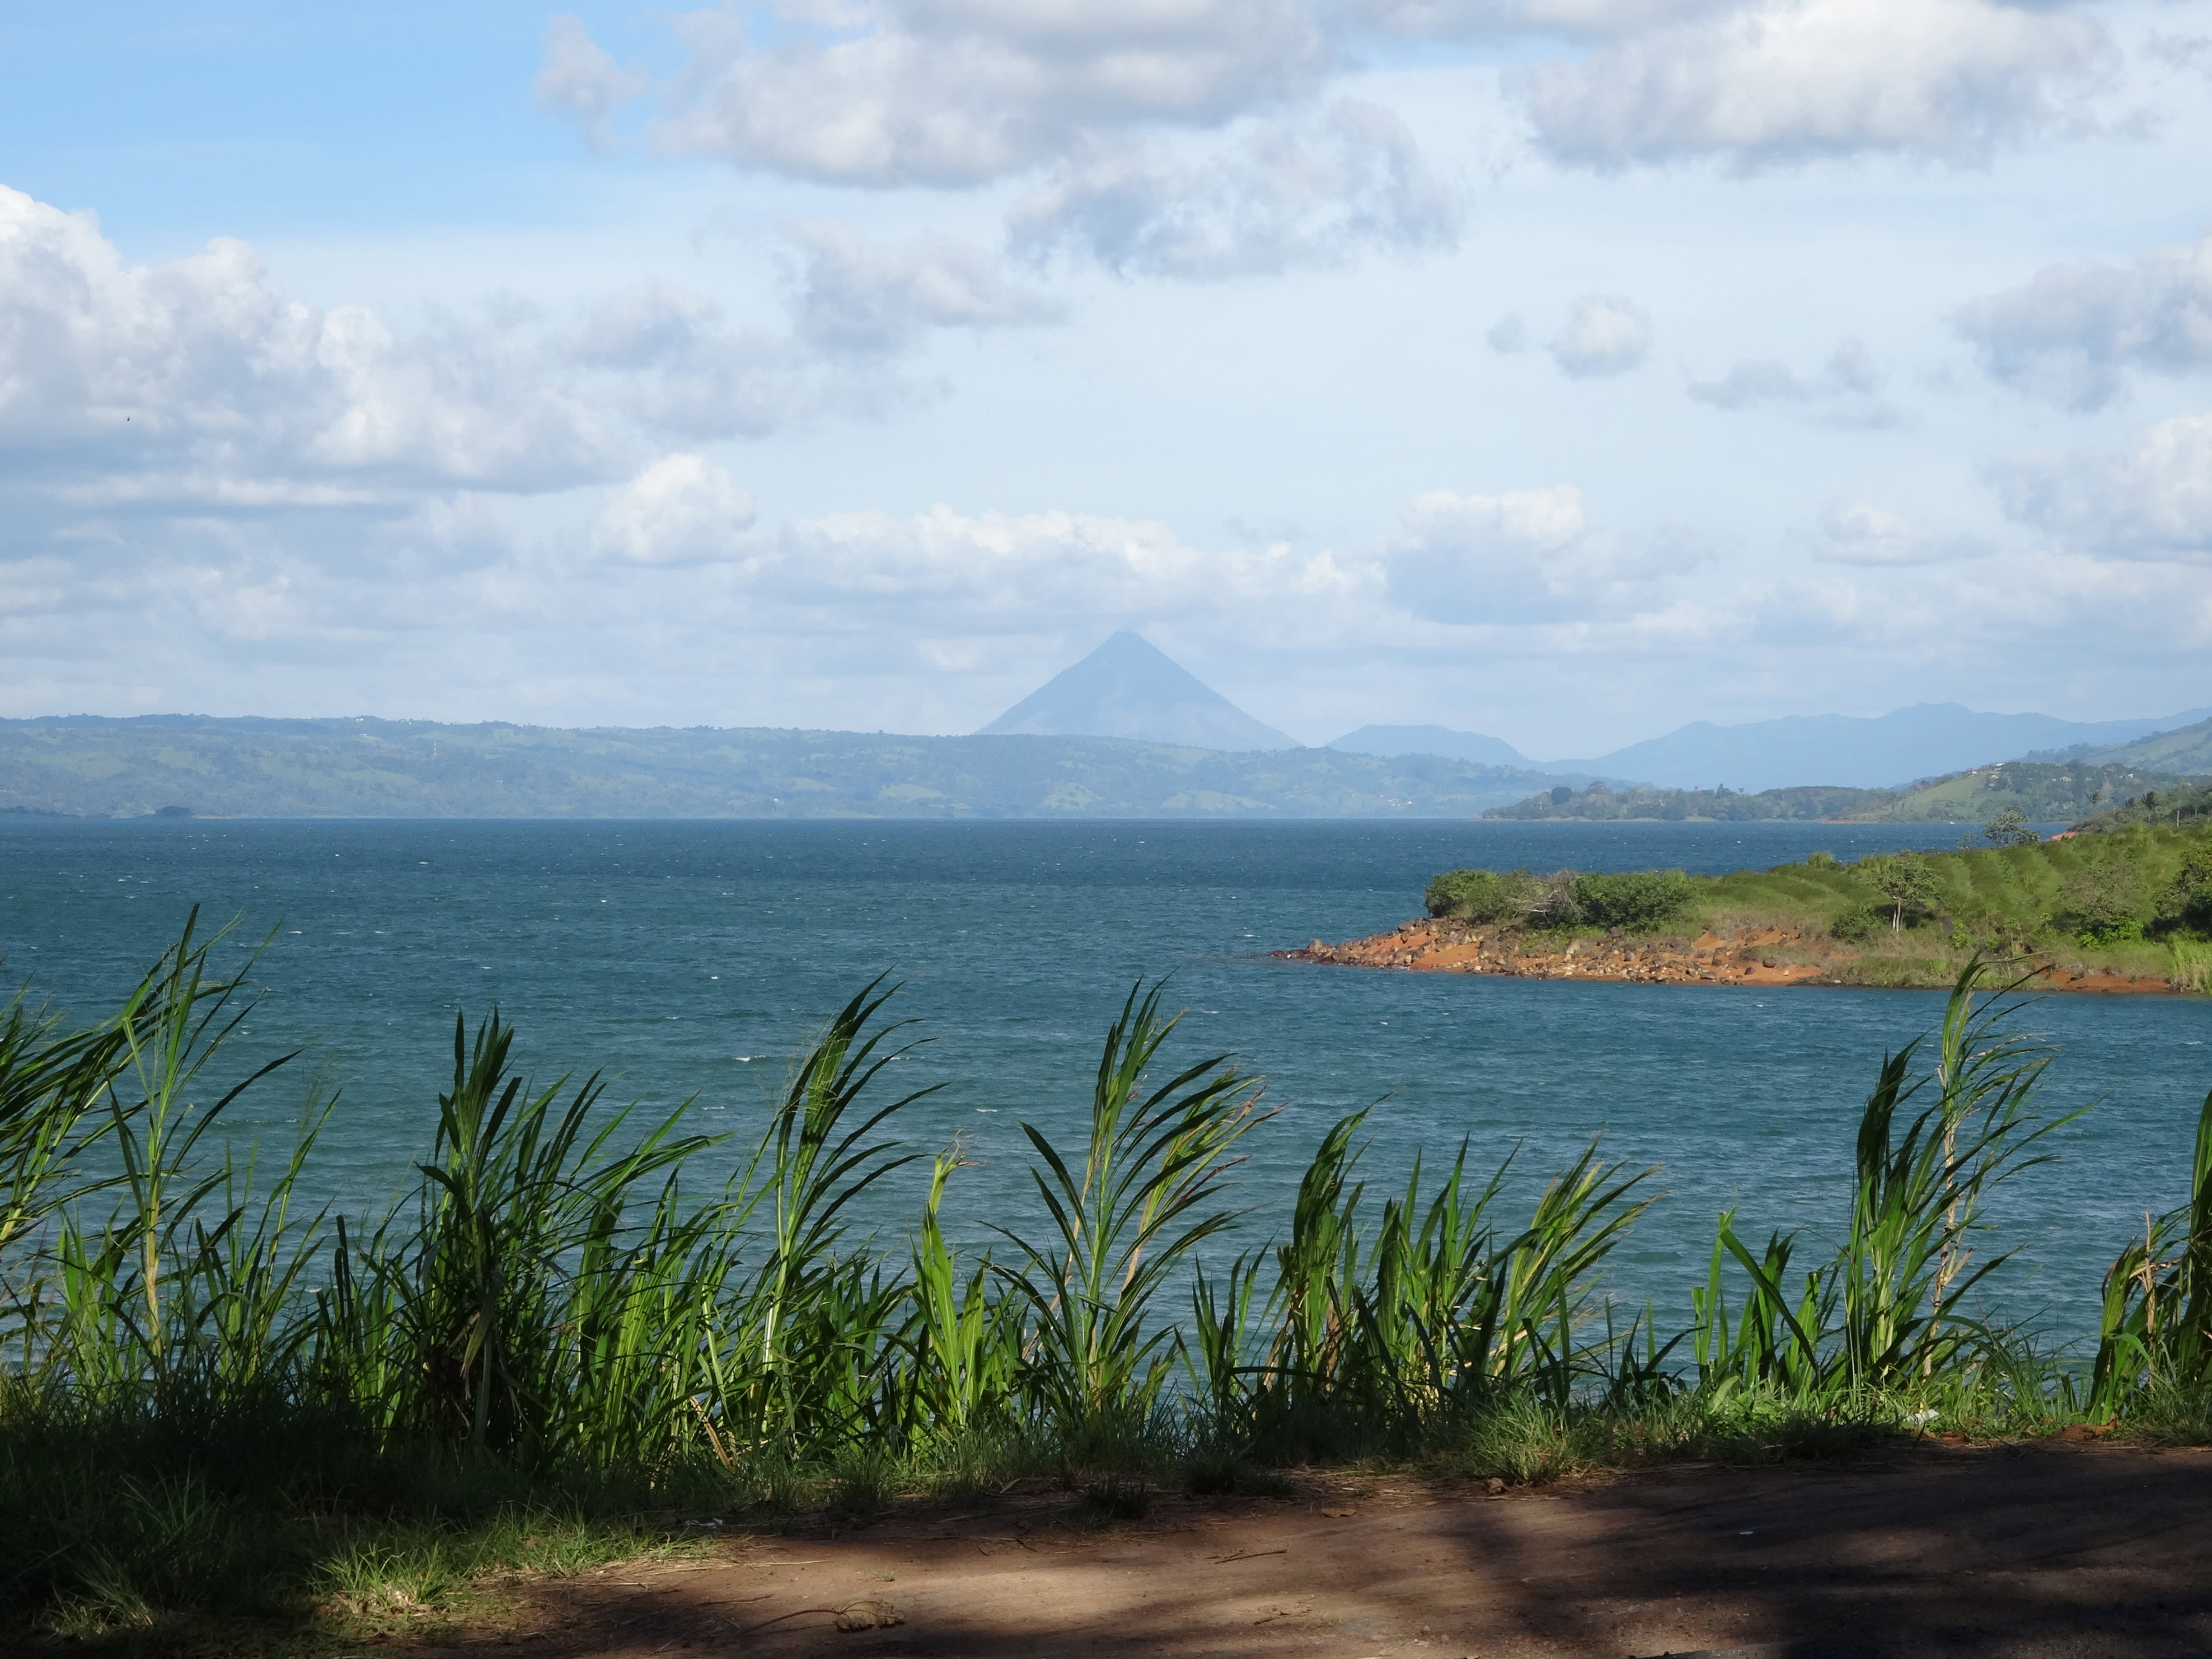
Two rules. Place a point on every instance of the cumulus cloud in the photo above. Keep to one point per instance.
(1846, 391)
(858, 296)
(1862, 534)
(1606, 334)
(960, 92)
(2075, 334)
(1779, 81)
(2153, 501)
(577, 79)
(198, 379)
(681, 509)
(1308, 189)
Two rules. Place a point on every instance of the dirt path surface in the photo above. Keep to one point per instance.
(2022, 1552)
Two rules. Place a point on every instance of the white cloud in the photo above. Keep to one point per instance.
(198, 379)
(1509, 334)
(858, 296)
(1846, 391)
(2074, 334)
(1606, 334)
(681, 509)
(1860, 533)
(2151, 501)
(577, 79)
(1310, 189)
(1779, 81)
(959, 92)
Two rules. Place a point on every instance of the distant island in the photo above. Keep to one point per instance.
(2121, 904)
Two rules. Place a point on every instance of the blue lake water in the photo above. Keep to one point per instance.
(694, 959)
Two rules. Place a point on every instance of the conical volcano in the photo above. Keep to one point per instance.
(1127, 689)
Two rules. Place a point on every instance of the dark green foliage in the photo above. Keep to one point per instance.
(1637, 900)
(2105, 901)
(1470, 895)
(1855, 924)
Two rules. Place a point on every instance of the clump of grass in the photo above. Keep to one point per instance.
(214, 1407)
(2189, 965)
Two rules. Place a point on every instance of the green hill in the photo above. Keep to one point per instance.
(96, 766)
(2186, 750)
(2044, 792)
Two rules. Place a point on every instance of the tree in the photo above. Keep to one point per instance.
(2009, 827)
(1903, 878)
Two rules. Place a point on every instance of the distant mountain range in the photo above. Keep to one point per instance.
(1885, 752)
(1125, 733)
(182, 765)
(1127, 688)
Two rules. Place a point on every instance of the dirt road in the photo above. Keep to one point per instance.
(2027, 1554)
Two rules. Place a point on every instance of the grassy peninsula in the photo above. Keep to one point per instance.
(2121, 902)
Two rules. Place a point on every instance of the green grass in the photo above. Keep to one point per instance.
(229, 1427)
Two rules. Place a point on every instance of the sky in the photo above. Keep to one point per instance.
(1564, 370)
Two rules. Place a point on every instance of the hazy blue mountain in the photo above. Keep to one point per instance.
(1431, 740)
(187, 764)
(1127, 688)
(1926, 740)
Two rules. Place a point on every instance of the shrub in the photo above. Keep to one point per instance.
(1857, 922)
(1469, 895)
(2104, 902)
(1638, 900)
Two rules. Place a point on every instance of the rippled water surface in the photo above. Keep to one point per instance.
(692, 958)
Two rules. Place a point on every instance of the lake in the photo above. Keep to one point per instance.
(694, 959)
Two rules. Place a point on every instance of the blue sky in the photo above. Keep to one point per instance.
(1564, 369)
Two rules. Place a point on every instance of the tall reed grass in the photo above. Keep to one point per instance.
(553, 1315)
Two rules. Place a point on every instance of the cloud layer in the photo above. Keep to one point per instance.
(2076, 335)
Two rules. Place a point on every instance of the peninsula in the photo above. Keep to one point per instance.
(2117, 904)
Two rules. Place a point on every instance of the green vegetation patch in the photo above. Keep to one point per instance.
(2133, 897)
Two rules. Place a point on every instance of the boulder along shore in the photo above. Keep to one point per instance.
(1749, 955)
